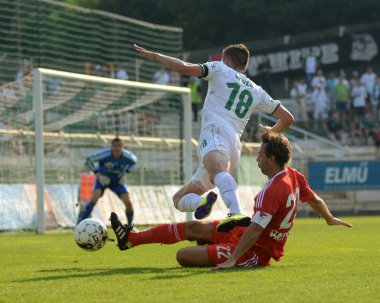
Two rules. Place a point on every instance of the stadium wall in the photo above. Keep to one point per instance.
(153, 205)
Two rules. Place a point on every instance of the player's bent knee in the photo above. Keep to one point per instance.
(195, 256)
(192, 230)
(184, 258)
(181, 258)
(176, 201)
(176, 197)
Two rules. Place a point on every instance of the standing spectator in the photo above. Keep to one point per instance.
(354, 78)
(368, 79)
(342, 98)
(86, 184)
(376, 98)
(194, 85)
(342, 74)
(319, 98)
(330, 83)
(264, 70)
(298, 93)
(161, 77)
(310, 65)
(358, 94)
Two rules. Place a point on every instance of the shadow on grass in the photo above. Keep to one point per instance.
(158, 273)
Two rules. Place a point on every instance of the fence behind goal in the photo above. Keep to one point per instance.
(57, 35)
(52, 126)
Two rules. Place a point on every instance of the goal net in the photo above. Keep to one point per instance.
(61, 36)
(52, 121)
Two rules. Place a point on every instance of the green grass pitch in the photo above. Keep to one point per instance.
(321, 264)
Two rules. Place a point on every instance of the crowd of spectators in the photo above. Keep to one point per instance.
(346, 110)
(343, 109)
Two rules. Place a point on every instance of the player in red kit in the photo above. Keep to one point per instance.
(255, 245)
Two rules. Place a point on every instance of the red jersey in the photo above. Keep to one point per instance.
(277, 202)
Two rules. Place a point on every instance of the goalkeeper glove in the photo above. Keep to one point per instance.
(103, 180)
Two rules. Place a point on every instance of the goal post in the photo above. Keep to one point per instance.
(53, 123)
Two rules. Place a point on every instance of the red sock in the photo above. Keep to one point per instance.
(165, 234)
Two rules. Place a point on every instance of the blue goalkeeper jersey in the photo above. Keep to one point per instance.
(104, 163)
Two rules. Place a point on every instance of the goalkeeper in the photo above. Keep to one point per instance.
(112, 164)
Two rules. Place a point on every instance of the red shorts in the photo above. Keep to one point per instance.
(225, 243)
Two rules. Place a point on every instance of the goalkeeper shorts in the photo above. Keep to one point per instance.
(115, 187)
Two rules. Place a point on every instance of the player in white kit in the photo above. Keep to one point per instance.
(231, 99)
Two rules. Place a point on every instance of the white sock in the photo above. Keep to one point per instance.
(228, 190)
(189, 202)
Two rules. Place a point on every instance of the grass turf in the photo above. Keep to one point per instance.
(321, 264)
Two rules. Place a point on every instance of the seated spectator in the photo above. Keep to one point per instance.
(53, 84)
(175, 79)
(20, 73)
(121, 73)
(161, 77)
(357, 134)
(369, 124)
(87, 68)
(334, 129)
(376, 139)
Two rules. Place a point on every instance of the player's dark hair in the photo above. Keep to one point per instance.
(117, 140)
(278, 146)
(238, 54)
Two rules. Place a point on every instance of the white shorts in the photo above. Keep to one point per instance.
(215, 137)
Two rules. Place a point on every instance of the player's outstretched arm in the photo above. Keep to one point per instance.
(320, 207)
(171, 63)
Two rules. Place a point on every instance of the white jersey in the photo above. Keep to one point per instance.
(232, 98)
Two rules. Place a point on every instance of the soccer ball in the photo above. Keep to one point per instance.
(91, 234)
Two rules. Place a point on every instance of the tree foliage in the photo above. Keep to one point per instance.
(209, 23)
